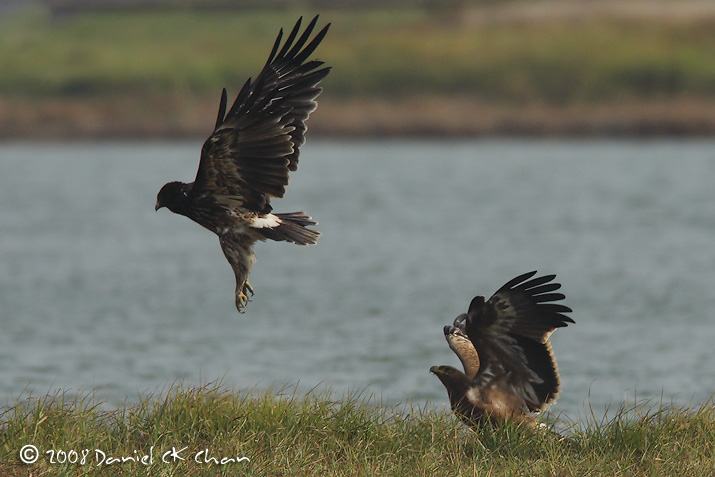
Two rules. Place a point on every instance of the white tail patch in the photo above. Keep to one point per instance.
(266, 222)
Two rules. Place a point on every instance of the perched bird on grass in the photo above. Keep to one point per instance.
(503, 344)
(246, 160)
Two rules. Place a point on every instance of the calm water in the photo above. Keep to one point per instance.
(99, 292)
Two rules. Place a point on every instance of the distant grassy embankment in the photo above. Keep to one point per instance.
(537, 67)
(287, 434)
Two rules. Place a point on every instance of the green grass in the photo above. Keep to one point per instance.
(376, 53)
(284, 433)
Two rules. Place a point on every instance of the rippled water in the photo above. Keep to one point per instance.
(99, 292)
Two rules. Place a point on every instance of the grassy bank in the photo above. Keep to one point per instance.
(288, 434)
(374, 52)
(141, 68)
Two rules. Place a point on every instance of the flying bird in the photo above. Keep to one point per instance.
(503, 344)
(246, 160)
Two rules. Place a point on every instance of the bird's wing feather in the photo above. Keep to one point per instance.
(524, 307)
(510, 332)
(256, 143)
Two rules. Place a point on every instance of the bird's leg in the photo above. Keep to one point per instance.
(239, 252)
(242, 298)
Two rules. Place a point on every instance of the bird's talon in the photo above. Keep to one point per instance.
(242, 297)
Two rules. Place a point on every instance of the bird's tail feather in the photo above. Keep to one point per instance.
(292, 228)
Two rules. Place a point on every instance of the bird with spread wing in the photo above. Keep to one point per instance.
(246, 160)
(503, 344)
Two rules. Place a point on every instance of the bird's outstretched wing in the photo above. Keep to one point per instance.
(510, 333)
(256, 142)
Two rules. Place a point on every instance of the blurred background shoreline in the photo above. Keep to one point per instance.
(154, 69)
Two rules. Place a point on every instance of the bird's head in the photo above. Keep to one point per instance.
(452, 378)
(171, 195)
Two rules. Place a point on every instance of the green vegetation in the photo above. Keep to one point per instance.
(375, 52)
(464, 68)
(287, 434)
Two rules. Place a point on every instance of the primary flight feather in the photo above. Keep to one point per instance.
(246, 160)
(503, 344)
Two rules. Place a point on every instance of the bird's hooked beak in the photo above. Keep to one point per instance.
(436, 370)
(157, 206)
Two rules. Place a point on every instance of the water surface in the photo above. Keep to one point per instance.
(100, 292)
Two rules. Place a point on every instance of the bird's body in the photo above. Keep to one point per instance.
(509, 368)
(246, 161)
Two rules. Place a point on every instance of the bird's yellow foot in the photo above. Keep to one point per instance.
(242, 298)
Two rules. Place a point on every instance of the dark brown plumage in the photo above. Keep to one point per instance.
(509, 367)
(246, 161)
